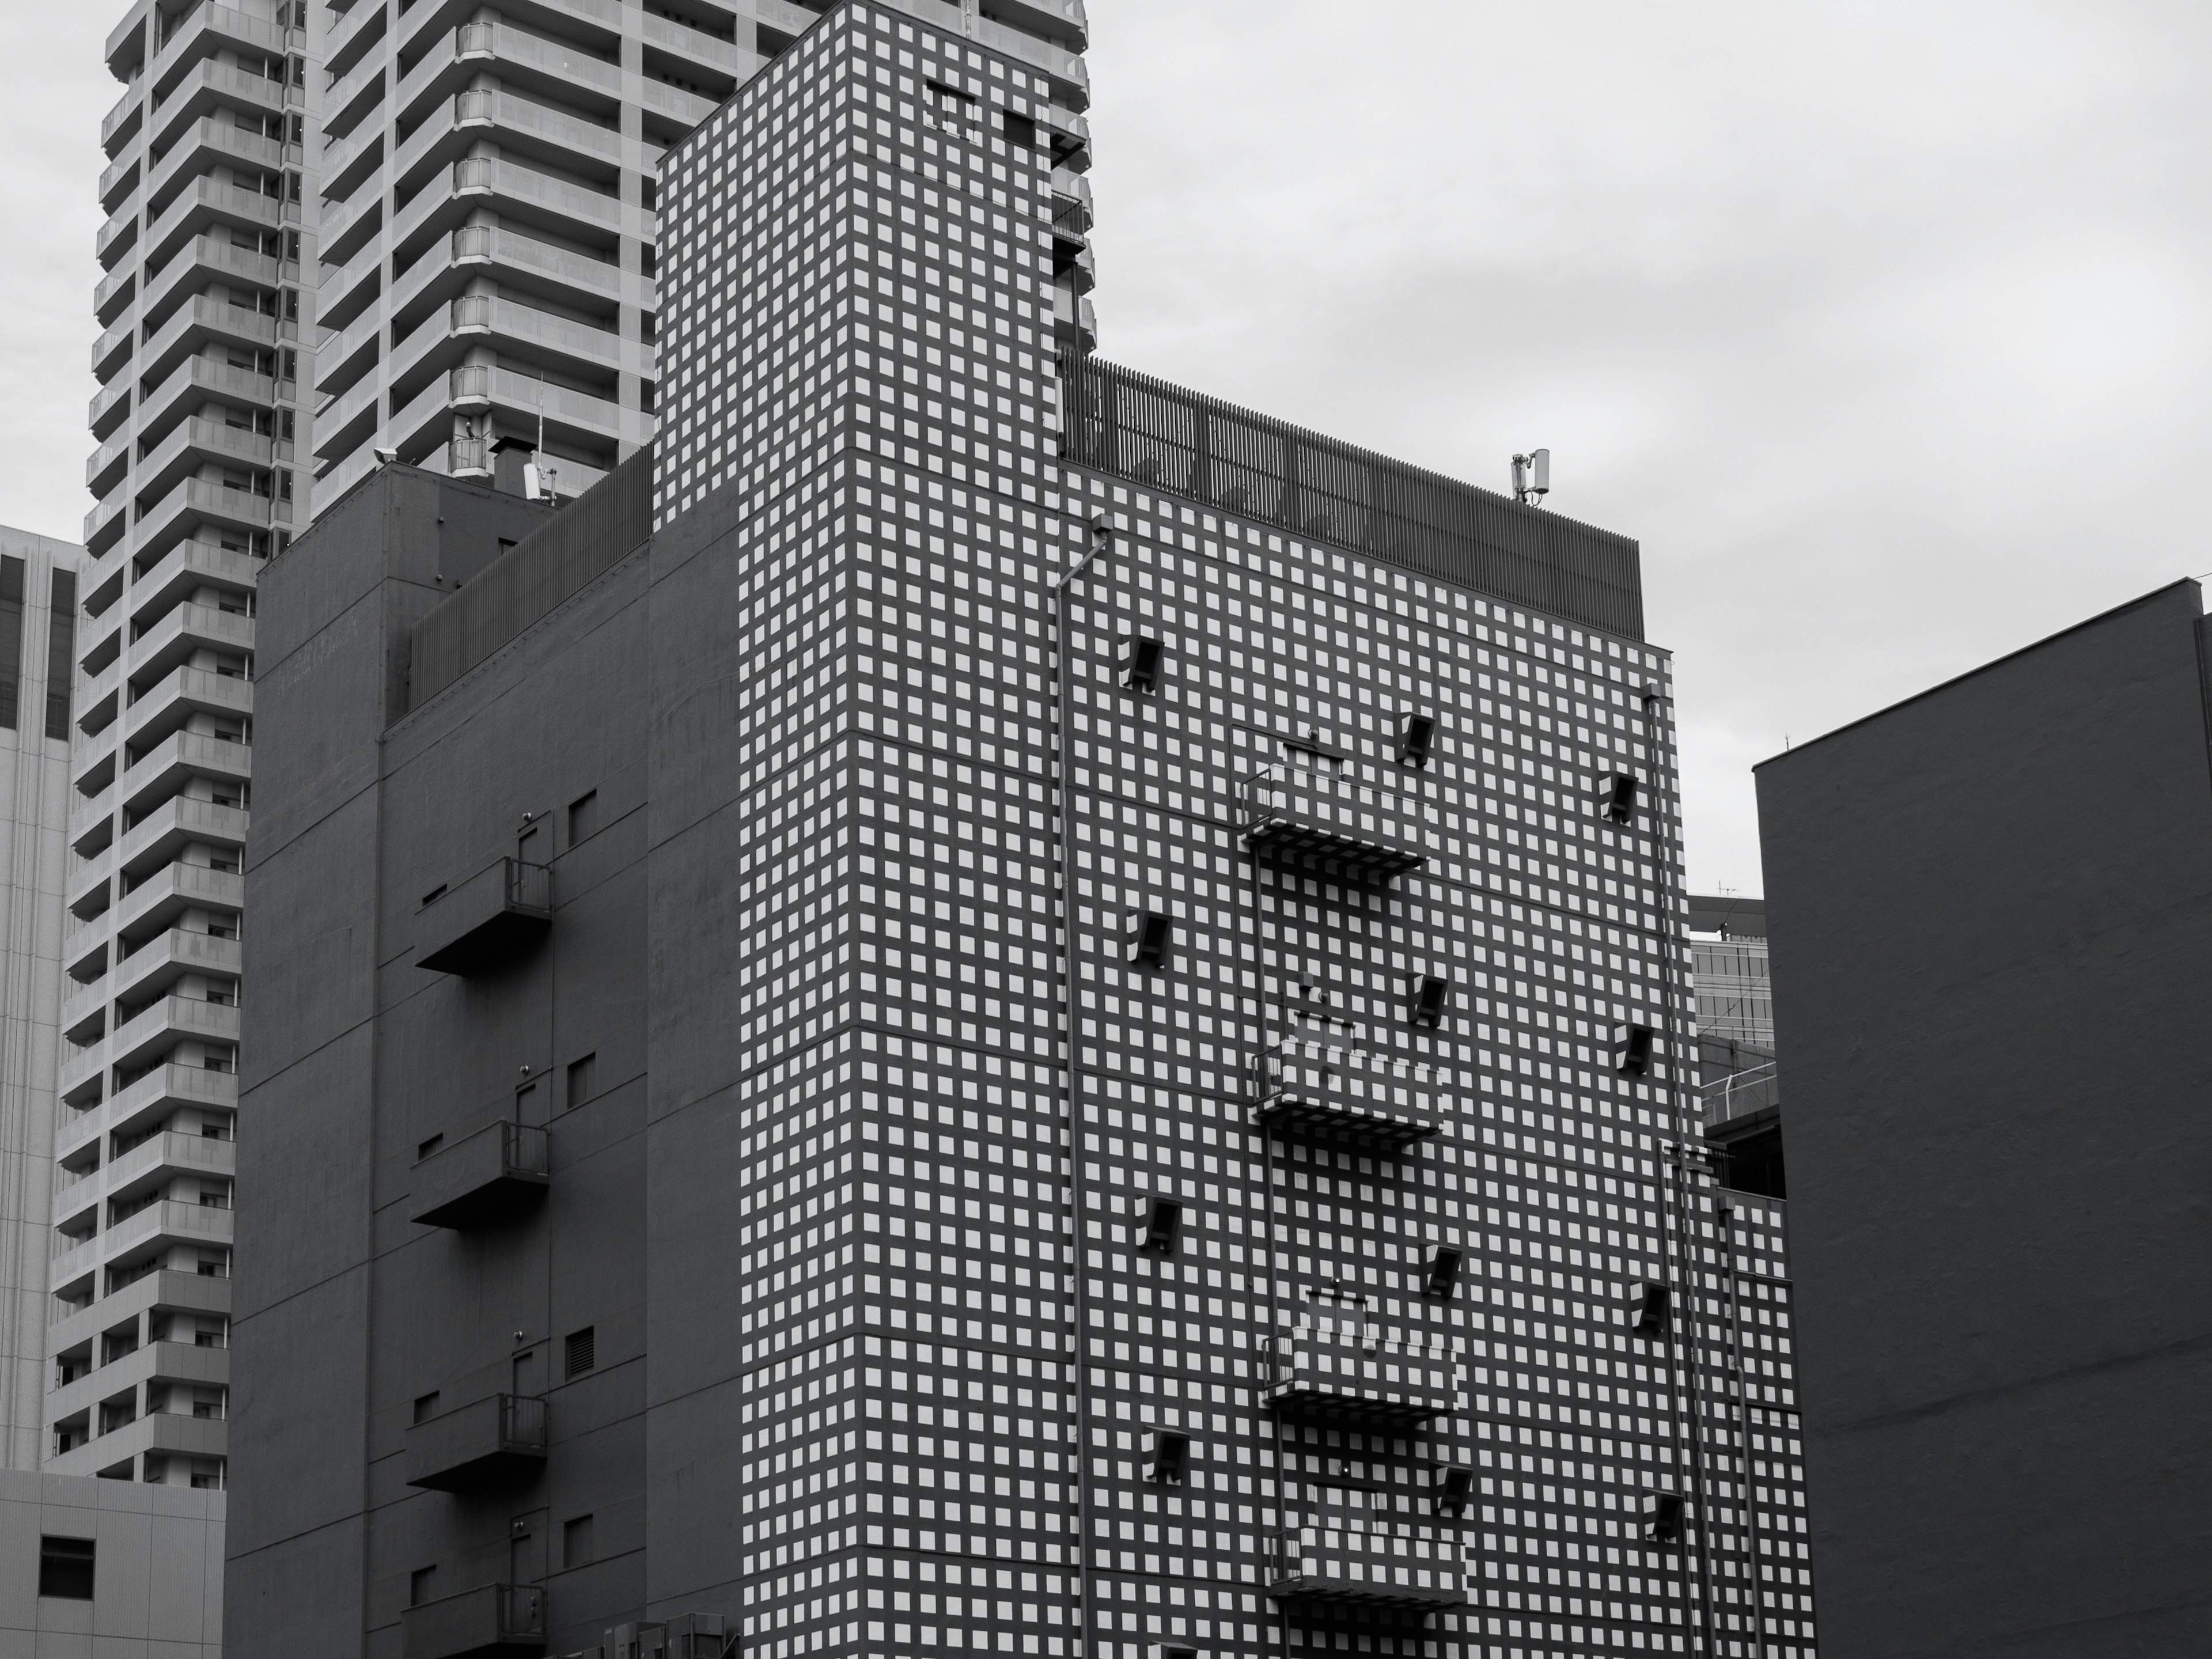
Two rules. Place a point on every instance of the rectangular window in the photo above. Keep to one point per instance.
(61, 642)
(65, 1564)
(582, 1081)
(11, 638)
(422, 1586)
(583, 1350)
(576, 1542)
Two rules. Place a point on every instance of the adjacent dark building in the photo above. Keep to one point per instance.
(1992, 920)
(981, 1005)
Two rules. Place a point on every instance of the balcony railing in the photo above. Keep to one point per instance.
(1327, 1377)
(481, 1178)
(1305, 821)
(1309, 1089)
(1320, 1568)
(493, 1618)
(496, 1439)
(487, 921)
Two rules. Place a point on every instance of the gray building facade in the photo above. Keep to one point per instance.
(1989, 907)
(983, 1004)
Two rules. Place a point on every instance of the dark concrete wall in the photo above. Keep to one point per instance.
(347, 1311)
(1991, 922)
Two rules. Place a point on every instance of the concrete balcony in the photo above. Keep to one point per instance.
(492, 1442)
(152, 1031)
(159, 1227)
(346, 422)
(598, 23)
(1064, 23)
(165, 1434)
(206, 31)
(155, 1161)
(578, 417)
(351, 290)
(523, 267)
(118, 177)
(114, 293)
(516, 332)
(523, 62)
(694, 47)
(1069, 134)
(209, 86)
(109, 465)
(1300, 821)
(353, 35)
(105, 524)
(154, 968)
(359, 90)
(182, 631)
(211, 141)
(486, 922)
(522, 129)
(481, 1179)
(351, 161)
(182, 510)
(1307, 1089)
(111, 352)
(109, 405)
(158, 1363)
(522, 197)
(92, 823)
(158, 585)
(159, 1095)
(170, 828)
(344, 356)
(346, 227)
(177, 759)
(117, 237)
(194, 381)
(1324, 1569)
(211, 205)
(1333, 1377)
(206, 320)
(680, 105)
(196, 443)
(492, 1619)
(209, 260)
(181, 1292)
(156, 904)
(124, 119)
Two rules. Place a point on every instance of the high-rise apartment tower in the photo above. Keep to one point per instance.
(37, 616)
(981, 1005)
(482, 293)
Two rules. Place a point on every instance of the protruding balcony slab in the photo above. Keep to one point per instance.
(1320, 1091)
(485, 923)
(481, 1178)
(502, 1620)
(492, 1442)
(1321, 1570)
(1314, 823)
(1324, 1376)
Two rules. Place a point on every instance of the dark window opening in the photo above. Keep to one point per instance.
(65, 1564)
(582, 1350)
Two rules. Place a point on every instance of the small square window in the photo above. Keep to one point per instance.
(65, 1566)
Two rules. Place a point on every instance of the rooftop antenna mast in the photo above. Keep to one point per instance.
(1531, 477)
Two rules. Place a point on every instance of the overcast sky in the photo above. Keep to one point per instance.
(1882, 326)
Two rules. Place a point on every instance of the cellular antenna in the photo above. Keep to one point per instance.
(1531, 477)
